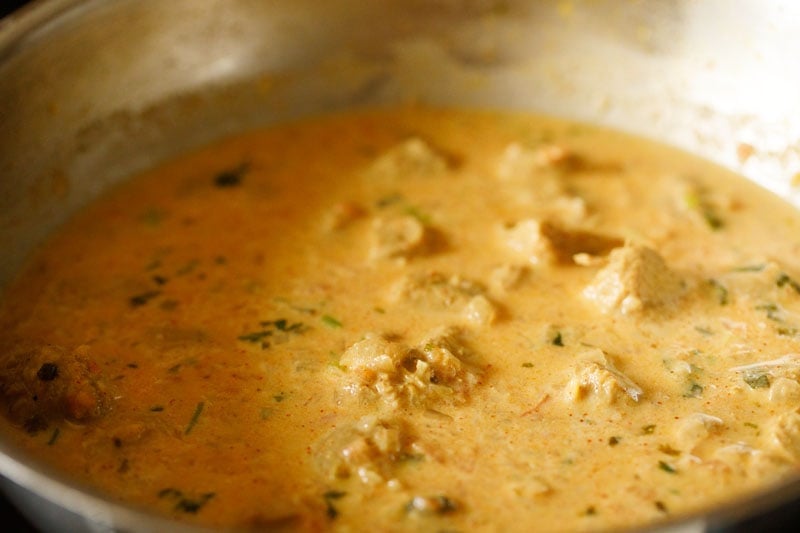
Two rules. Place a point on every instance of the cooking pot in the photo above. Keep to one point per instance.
(93, 91)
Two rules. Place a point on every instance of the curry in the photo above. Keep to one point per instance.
(415, 319)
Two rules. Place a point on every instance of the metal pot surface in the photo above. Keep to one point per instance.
(93, 91)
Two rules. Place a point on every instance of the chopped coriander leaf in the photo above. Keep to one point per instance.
(712, 219)
(231, 177)
(278, 330)
(47, 372)
(152, 217)
(750, 268)
(188, 268)
(720, 291)
(195, 417)
(756, 380)
(669, 450)
(256, 336)
(54, 437)
(279, 397)
(784, 280)
(329, 497)
(695, 201)
(648, 429)
(391, 199)
(415, 212)
(183, 502)
(527, 365)
(169, 493)
(772, 311)
(666, 467)
(557, 340)
(330, 321)
(695, 391)
(141, 299)
(192, 505)
(431, 505)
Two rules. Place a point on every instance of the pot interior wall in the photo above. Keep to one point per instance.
(92, 92)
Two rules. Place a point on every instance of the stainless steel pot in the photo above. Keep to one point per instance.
(92, 91)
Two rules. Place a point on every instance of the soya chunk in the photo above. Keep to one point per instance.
(547, 242)
(397, 237)
(635, 278)
(519, 163)
(596, 376)
(693, 429)
(435, 291)
(412, 158)
(51, 384)
(368, 450)
(783, 435)
(400, 375)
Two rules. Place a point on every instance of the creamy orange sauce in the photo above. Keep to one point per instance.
(416, 319)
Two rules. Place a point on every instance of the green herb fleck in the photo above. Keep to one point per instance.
(169, 493)
(388, 200)
(703, 331)
(749, 268)
(669, 450)
(648, 429)
(431, 505)
(184, 503)
(152, 217)
(784, 280)
(188, 268)
(256, 336)
(195, 417)
(231, 177)
(279, 330)
(720, 291)
(54, 436)
(411, 457)
(557, 340)
(156, 408)
(194, 505)
(666, 467)
(141, 299)
(279, 397)
(695, 391)
(772, 311)
(527, 365)
(756, 380)
(47, 372)
(415, 212)
(330, 497)
(329, 321)
(695, 201)
(751, 425)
